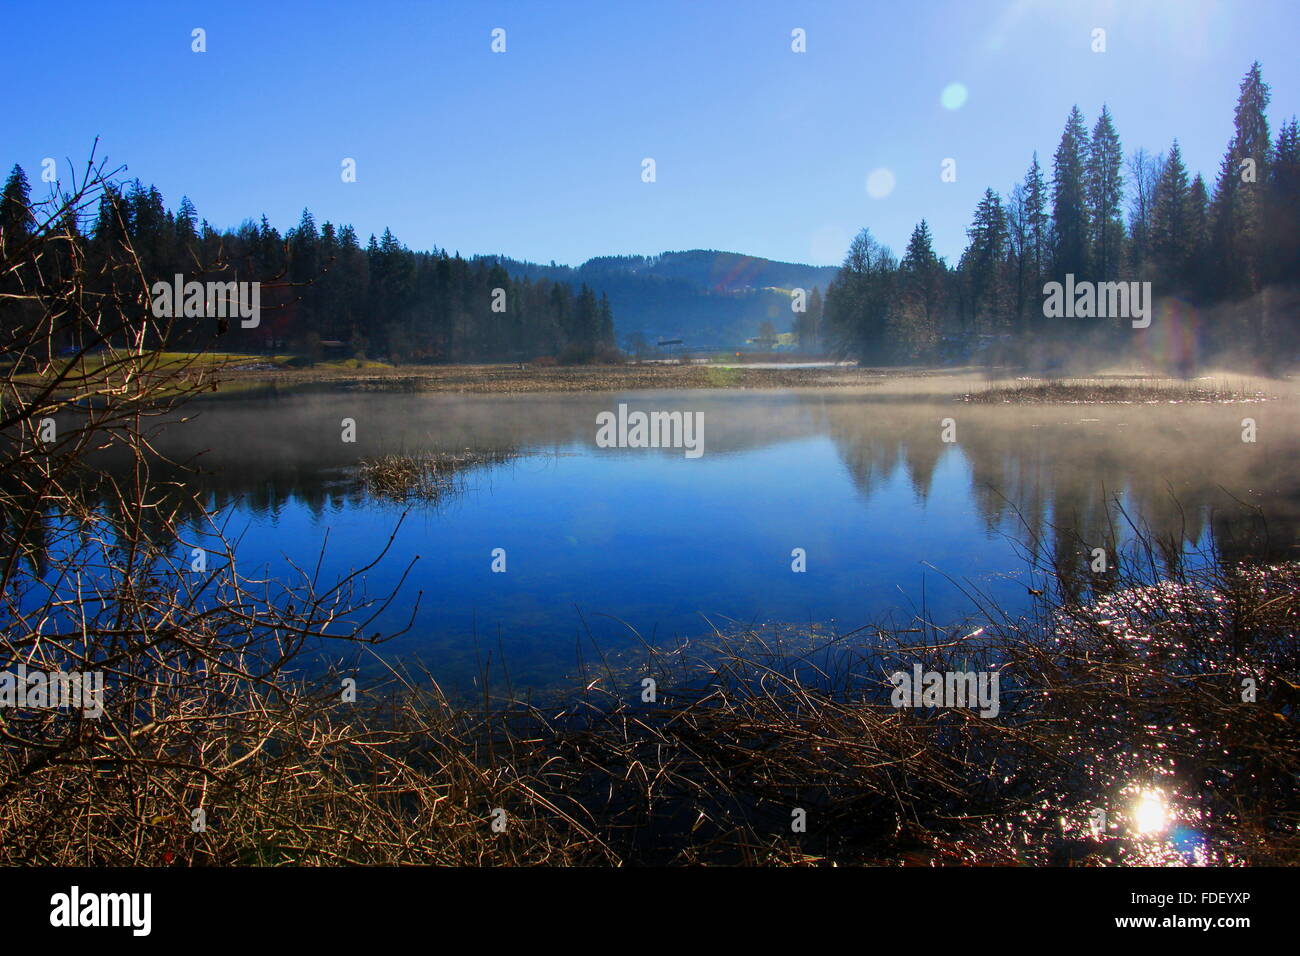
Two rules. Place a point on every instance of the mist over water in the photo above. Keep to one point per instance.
(896, 524)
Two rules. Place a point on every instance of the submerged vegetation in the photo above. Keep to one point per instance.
(425, 477)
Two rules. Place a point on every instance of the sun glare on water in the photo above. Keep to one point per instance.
(1151, 813)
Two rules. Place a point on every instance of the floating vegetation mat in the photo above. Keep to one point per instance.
(429, 476)
(1091, 392)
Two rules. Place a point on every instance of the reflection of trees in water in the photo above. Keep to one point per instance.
(873, 439)
(1044, 474)
(1065, 479)
(227, 496)
(261, 452)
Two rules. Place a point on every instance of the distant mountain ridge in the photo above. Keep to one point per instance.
(705, 297)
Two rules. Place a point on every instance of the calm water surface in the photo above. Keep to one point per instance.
(895, 523)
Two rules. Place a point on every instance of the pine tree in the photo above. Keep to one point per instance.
(1169, 225)
(1105, 189)
(304, 249)
(1037, 222)
(151, 235)
(1070, 227)
(268, 251)
(1282, 211)
(1237, 209)
(187, 226)
(586, 324)
(110, 223)
(920, 286)
(984, 265)
(16, 228)
(1020, 278)
(16, 223)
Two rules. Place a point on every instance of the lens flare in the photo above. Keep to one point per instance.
(880, 183)
(953, 96)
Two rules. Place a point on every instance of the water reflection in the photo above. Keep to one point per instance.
(600, 538)
(1177, 466)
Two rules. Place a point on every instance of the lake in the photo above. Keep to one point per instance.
(895, 524)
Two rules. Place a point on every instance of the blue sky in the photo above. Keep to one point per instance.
(536, 153)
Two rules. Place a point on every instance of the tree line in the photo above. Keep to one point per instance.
(323, 293)
(1223, 263)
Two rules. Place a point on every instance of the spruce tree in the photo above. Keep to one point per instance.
(1105, 190)
(15, 208)
(1236, 213)
(1197, 252)
(984, 264)
(1282, 210)
(1037, 223)
(1070, 226)
(1169, 225)
(920, 288)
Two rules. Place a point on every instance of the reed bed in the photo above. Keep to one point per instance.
(1134, 391)
(1105, 696)
(427, 477)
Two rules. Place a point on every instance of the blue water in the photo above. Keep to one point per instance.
(663, 544)
(897, 526)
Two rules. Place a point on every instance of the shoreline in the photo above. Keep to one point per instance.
(963, 384)
(512, 377)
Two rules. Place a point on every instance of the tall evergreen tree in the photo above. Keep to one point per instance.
(187, 230)
(1282, 209)
(304, 249)
(920, 287)
(1038, 225)
(984, 265)
(1070, 226)
(1169, 224)
(1236, 213)
(1196, 263)
(1105, 191)
(16, 222)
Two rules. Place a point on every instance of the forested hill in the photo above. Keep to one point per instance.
(701, 296)
(323, 290)
(327, 291)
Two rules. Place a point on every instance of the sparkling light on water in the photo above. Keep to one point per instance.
(1151, 814)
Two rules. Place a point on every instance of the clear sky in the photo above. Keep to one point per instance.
(537, 152)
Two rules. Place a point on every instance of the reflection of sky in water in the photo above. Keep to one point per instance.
(895, 523)
(656, 541)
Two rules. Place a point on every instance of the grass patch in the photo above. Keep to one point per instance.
(1103, 391)
(427, 477)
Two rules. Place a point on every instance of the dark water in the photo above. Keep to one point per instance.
(895, 523)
